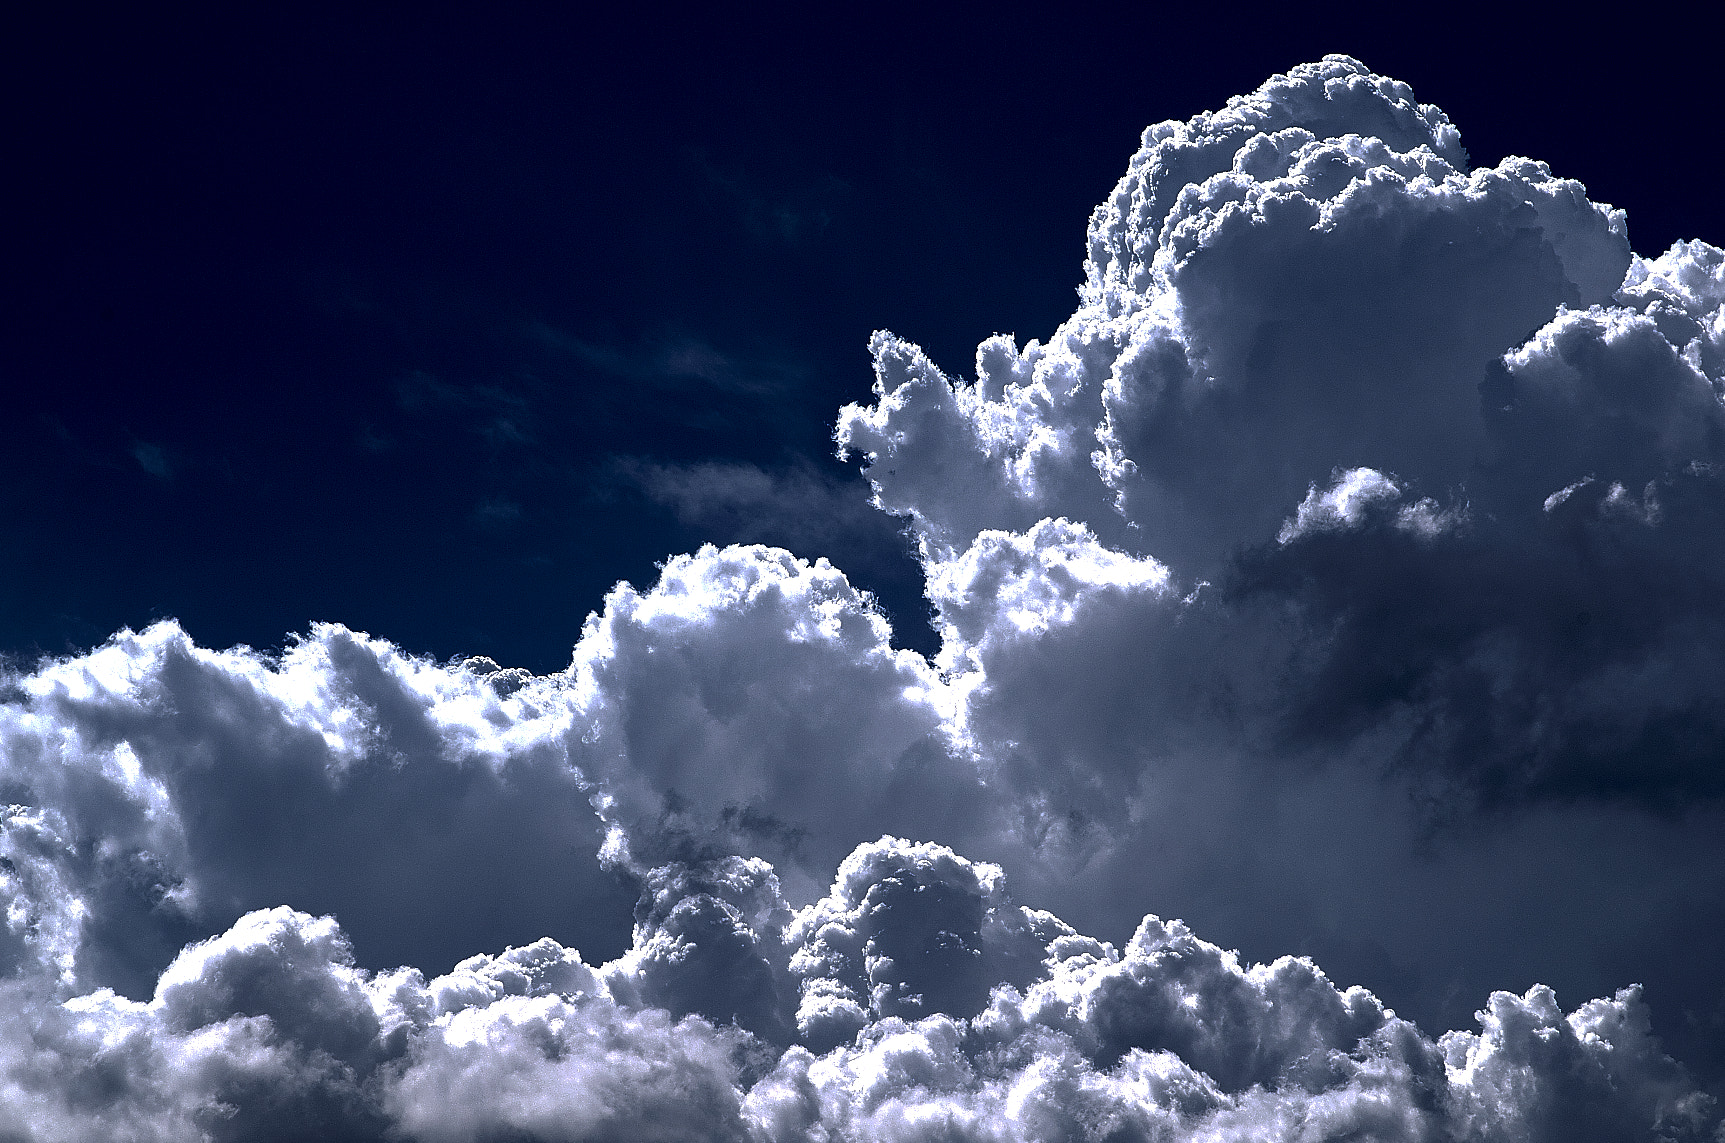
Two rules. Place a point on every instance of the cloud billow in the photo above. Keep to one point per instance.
(1311, 284)
(1352, 545)
(269, 1029)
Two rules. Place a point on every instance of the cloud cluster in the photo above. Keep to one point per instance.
(931, 1007)
(1343, 573)
(1443, 414)
(750, 702)
(164, 789)
(753, 703)
(1353, 460)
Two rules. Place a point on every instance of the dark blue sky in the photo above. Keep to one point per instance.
(379, 320)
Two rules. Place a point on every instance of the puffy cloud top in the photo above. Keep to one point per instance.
(1308, 323)
(268, 1030)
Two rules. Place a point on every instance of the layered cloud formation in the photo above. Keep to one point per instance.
(1343, 573)
(914, 1001)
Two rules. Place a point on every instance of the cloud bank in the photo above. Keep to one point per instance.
(926, 1005)
(1342, 572)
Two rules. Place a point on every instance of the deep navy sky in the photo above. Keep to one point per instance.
(366, 319)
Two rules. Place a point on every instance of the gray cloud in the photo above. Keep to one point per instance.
(781, 211)
(753, 702)
(674, 361)
(794, 506)
(1427, 565)
(153, 459)
(175, 788)
(1312, 282)
(269, 1029)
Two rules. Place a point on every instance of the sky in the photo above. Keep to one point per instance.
(683, 579)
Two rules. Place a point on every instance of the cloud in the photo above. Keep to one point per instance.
(675, 361)
(753, 703)
(153, 459)
(502, 418)
(1341, 573)
(546, 1069)
(175, 788)
(907, 930)
(1429, 440)
(269, 1029)
(799, 505)
(795, 506)
(778, 210)
(1428, 459)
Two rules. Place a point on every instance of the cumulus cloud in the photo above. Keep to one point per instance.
(175, 788)
(932, 1006)
(1342, 572)
(1320, 359)
(1416, 467)
(753, 702)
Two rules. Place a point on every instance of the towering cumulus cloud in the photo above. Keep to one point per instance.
(1343, 576)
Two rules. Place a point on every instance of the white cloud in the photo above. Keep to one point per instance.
(754, 702)
(546, 1068)
(1486, 437)
(972, 1018)
(186, 786)
(1342, 505)
(794, 505)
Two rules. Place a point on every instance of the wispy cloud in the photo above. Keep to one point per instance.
(674, 361)
(153, 459)
(783, 211)
(503, 417)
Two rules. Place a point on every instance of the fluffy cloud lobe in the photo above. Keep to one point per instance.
(1358, 531)
(928, 1005)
